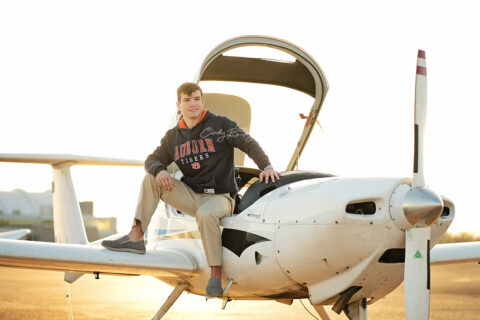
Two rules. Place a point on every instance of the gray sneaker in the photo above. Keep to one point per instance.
(124, 244)
(214, 288)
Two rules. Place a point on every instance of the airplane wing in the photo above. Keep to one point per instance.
(19, 234)
(168, 262)
(55, 159)
(449, 253)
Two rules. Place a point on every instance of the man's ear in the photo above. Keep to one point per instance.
(178, 107)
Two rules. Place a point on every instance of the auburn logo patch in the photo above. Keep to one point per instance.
(196, 165)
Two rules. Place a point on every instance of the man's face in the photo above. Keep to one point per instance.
(191, 106)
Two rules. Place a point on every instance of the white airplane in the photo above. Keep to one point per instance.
(345, 242)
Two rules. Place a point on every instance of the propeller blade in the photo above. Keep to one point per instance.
(420, 118)
(420, 204)
(417, 273)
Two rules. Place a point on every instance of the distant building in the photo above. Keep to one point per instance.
(21, 209)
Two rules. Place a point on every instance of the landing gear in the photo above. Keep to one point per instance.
(321, 312)
(225, 298)
(177, 291)
(357, 310)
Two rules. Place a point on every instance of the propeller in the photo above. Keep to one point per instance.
(422, 207)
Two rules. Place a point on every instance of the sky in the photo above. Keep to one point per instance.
(99, 78)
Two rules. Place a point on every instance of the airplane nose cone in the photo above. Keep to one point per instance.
(422, 203)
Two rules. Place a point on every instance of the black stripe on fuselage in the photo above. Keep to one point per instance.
(428, 264)
(237, 240)
(415, 157)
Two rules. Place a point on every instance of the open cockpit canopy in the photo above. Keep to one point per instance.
(303, 74)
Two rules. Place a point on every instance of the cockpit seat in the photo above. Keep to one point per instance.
(258, 189)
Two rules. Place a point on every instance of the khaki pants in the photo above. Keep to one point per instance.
(207, 209)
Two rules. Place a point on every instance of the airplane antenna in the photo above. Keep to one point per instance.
(308, 310)
(68, 295)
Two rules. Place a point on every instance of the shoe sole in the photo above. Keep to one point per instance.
(126, 250)
(214, 294)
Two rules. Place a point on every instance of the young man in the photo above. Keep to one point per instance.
(202, 146)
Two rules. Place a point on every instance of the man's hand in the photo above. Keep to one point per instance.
(164, 180)
(269, 174)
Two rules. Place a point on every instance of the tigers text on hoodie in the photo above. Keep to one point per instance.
(204, 153)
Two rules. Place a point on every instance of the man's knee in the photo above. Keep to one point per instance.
(204, 214)
(218, 207)
(149, 179)
(151, 186)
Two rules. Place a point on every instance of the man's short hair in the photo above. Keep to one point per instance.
(188, 88)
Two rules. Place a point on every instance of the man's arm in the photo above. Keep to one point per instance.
(238, 138)
(156, 164)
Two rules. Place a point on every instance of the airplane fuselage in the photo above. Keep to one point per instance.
(314, 239)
